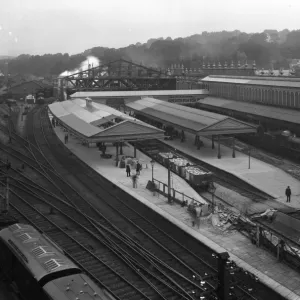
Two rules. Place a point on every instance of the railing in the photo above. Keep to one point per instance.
(284, 248)
(177, 196)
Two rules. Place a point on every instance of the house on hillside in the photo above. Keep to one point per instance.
(16, 79)
(33, 87)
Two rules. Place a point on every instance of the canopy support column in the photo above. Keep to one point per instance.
(134, 153)
(117, 153)
(195, 142)
(233, 147)
(219, 148)
(199, 142)
(121, 148)
(182, 136)
(212, 142)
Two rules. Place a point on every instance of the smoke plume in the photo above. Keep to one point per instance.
(90, 62)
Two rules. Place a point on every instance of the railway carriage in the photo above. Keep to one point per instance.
(39, 268)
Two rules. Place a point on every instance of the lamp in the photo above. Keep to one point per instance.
(152, 165)
(249, 155)
(169, 179)
(212, 189)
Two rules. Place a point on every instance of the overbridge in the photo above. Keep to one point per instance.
(120, 75)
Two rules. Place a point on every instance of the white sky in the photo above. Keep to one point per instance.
(51, 26)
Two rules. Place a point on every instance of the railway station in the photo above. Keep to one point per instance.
(177, 215)
(173, 144)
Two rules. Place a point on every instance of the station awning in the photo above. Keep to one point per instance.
(193, 120)
(126, 94)
(90, 123)
(266, 111)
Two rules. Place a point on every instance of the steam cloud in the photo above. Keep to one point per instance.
(90, 62)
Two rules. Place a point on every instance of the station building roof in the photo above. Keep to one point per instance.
(266, 111)
(86, 119)
(190, 119)
(254, 80)
(126, 94)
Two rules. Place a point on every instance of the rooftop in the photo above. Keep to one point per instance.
(255, 80)
(35, 250)
(190, 119)
(267, 111)
(124, 94)
(101, 122)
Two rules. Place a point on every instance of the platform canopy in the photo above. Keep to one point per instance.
(265, 111)
(125, 94)
(254, 80)
(94, 122)
(197, 121)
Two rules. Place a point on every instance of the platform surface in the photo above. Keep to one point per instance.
(261, 263)
(261, 175)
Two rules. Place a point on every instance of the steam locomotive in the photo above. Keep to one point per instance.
(38, 269)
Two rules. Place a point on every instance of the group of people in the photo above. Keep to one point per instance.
(138, 169)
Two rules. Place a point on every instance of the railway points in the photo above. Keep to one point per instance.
(120, 209)
(247, 255)
(147, 234)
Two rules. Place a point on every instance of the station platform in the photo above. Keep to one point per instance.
(246, 255)
(261, 175)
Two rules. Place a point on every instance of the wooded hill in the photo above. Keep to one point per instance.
(269, 48)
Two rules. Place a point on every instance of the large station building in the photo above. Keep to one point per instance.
(281, 92)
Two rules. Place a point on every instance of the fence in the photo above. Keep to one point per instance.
(177, 196)
(281, 246)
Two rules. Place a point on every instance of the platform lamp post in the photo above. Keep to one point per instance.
(169, 180)
(249, 152)
(212, 188)
(5, 181)
(152, 165)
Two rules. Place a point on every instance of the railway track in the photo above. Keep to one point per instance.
(173, 259)
(77, 245)
(223, 178)
(58, 205)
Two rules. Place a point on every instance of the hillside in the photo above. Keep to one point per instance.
(6, 57)
(270, 48)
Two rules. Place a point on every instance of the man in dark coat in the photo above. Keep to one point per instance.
(128, 170)
(138, 168)
(288, 193)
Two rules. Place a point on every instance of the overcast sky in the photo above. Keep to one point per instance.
(51, 26)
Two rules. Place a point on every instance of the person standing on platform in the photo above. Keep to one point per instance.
(66, 138)
(288, 194)
(128, 170)
(138, 168)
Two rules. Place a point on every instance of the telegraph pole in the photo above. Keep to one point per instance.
(249, 156)
(169, 180)
(5, 181)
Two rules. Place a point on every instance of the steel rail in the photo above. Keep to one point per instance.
(120, 201)
(83, 222)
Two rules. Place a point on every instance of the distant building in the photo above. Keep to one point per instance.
(213, 69)
(274, 91)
